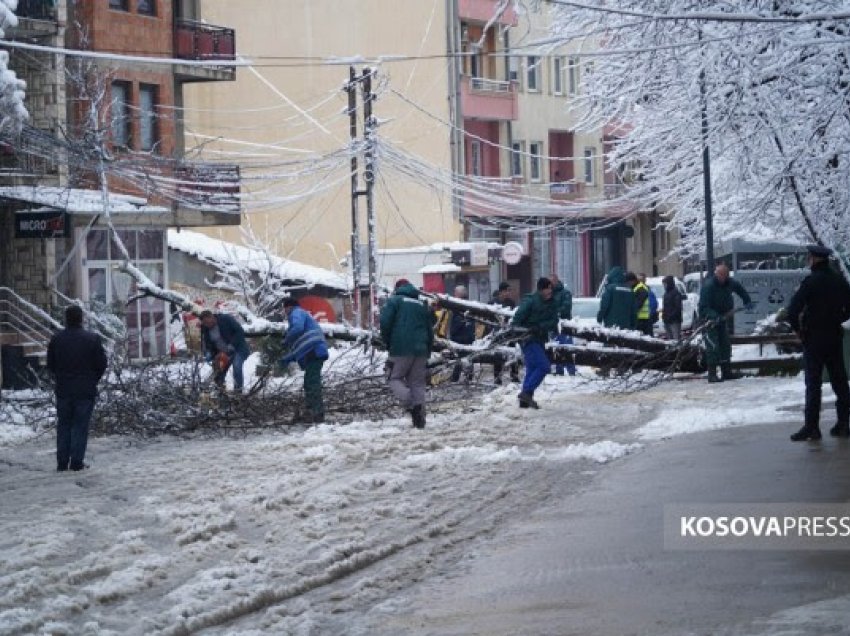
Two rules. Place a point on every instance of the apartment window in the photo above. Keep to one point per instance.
(558, 75)
(120, 114)
(516, 159)
(148, 132)
(588, 165)
(476, 159)
(533, 73)
(146, 7)
(119, 5)
(572, 75)
(513, 69)
(535, 150)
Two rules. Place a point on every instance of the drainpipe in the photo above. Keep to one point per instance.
(455, 116)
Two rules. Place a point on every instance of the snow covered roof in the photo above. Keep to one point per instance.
(435, 248)
(257, 260)
(440, 268)
(79, 201)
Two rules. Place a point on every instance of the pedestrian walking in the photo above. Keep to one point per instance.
(617, 306)
(502, 297)
(305, 344)
(224, 345)
(716, 306)
(77, 360)
(564, 299)
(671, 309)
(538, 313)
(407, 329)
(643, 311)
(816, 311)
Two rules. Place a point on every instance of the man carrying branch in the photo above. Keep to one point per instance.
(716, 306)
(539, 314)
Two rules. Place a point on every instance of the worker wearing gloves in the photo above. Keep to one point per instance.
(304, 343)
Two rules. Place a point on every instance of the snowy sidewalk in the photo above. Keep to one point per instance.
(323, 531)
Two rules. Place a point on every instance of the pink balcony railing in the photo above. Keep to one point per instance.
(488, 99)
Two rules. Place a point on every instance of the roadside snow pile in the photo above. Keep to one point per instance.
(741, 404)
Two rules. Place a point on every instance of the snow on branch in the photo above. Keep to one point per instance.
(779, 130)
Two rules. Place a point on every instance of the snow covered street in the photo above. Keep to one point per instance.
(321, 530)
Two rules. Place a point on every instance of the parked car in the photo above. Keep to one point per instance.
(585, 309)
(690, 303)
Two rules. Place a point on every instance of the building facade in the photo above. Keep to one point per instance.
(99, 173)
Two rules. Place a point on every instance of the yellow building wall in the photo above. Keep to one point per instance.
(252, 121)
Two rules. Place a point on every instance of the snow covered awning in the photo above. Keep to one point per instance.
(440, 268)
(80, 201)
(209, 249)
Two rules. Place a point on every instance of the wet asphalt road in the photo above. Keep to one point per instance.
(595, 562)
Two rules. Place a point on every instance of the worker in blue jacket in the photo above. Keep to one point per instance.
(304, 343)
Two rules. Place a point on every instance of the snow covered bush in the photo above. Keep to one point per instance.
(13, 113)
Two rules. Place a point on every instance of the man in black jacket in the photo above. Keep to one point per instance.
(461, 331)
(77, 361)
(820, 305)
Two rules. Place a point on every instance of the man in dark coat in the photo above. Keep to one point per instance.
(617, 306)
(502, 296)
(461, 331)
(407, 329)
(716, 306)
(539, 314)
(224, 344)
(305, 344)
(77, 361)
(564, 299)
(672, 309)
(816, 311)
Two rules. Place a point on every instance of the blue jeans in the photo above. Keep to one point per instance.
(72, 431)
(236, 361)
(537, 365)
(563, 338)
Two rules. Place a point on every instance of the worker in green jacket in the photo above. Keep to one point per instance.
(564, 299)
(538, 313)
(617, 307)
(716, 306)
(407, 329)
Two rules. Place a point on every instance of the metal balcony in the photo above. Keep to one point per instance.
(566, 190)
(208, 194)
(36, 19)
(198, 41)
(488, 99)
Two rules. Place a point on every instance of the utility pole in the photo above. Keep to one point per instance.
(351, 88)
(369, 126)
(706, 175)
(369, 177)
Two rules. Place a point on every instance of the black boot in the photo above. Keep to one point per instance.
(842, 429)
(526, 401)
(417, 413)
(728, 374)
(712, 374)
(810, 432)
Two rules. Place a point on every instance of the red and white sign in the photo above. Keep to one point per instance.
(512, 253)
